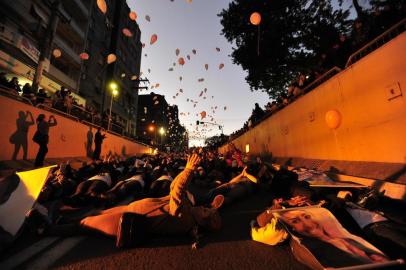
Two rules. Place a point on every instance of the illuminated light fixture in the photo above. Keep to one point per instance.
(247, 148)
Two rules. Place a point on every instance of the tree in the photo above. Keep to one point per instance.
(215, 142)
(293, 33)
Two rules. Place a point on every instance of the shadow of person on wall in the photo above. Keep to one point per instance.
(123, 151)
(19, 137)
(89, 143)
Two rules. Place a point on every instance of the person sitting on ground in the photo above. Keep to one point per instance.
(170, 215)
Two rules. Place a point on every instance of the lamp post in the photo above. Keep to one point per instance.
(114, 92)
(162, 133)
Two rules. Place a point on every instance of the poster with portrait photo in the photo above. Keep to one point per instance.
(320, 241)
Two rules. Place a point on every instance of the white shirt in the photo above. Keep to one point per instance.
(138, 178)
(105, 177)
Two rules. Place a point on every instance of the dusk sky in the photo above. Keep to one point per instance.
(187, 26)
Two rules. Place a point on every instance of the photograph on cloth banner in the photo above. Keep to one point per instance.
(328, 245)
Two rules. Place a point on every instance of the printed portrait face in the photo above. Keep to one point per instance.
(303, 223)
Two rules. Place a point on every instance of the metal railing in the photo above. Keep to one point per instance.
(50, 109)
(8, 92)
(377, 42)
(326, 76)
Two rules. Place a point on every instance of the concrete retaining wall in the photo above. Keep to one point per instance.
(68, 139)
(368, 95)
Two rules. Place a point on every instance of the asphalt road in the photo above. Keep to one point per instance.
(231, 248)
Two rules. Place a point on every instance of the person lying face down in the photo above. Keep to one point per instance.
(242, 185)
(169, 215)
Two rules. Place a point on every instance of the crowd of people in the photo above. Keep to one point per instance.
(364, 29)
(63, 101)
(133, 199)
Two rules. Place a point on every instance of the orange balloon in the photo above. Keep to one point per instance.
(255, 18)
(333, 119)
(84, 56)
(132, 15)
(127, 32)
(221, 66)
(111, 58)
(56, 53)
(181, 61)
(154, 38)
(177, 51)
(206, 66)
(101, 4)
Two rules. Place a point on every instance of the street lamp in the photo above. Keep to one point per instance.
(162, 133)
(114, 92)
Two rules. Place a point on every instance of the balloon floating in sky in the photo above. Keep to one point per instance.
(101, 4)
(177, 51)
(181, 61)
(127, 32)
(200, 80)
(194, 51)
(148, 18)
(203, 115)
(225, 107)
(56, 53)
(181, 90)
(154, 38)
(132, 15)
(84, 56)
(157, 85)
(255, 18)
(170, 69)
(180, 78)
(111, 58)
(189, 1)
(221, 66)
(149, 70)
(188, 57)
(217, 49)
(206, 66)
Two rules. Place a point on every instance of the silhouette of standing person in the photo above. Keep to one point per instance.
(89, 142)
(41, 137)
(98, 140)
(19, 138)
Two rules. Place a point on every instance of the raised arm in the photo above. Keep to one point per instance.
(31, 122)
(54, 122)
(179, 185)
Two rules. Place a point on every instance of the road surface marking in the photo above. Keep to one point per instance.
(51, 256)
(27, 253)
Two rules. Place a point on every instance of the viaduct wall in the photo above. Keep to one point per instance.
(370, 140)
(68, 139)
